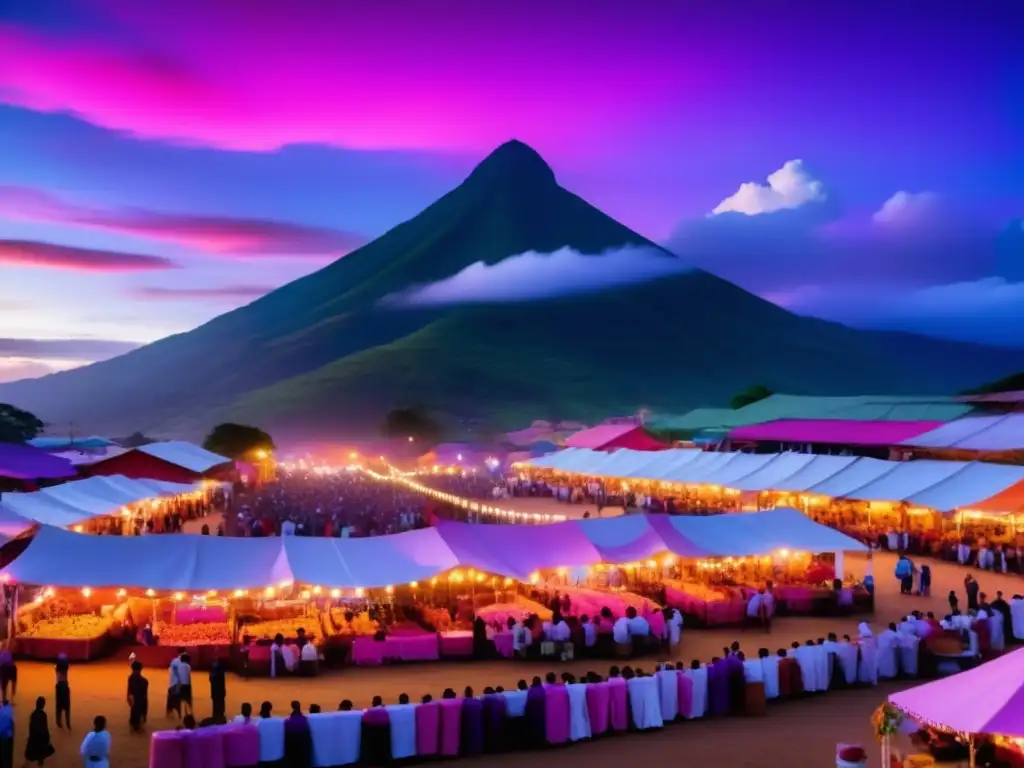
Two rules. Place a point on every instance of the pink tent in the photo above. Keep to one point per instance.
(833, 431)
(986, 699)
(608, 437)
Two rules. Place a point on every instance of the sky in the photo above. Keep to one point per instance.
(162, 163)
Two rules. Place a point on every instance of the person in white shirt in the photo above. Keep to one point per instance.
(288, 528)
(620, 630)
(557, 631)
(246, 716)
(589, 631)
(95, 750)
(638, 625)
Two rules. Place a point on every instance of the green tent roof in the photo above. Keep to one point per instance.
(854, 408)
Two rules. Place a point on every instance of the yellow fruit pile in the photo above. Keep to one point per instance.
(361, 623)
(86, 627)
(200, 633)
(287, 627)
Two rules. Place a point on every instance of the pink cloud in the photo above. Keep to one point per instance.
(216, 234)
(29, 253)
(256, 77)
(222, 292)
(15, 369)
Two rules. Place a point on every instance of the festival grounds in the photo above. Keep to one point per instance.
(796, 733)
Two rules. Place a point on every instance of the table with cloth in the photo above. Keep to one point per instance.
(456, 644)
(368, 652)
(711, 607)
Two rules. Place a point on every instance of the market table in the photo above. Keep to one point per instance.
(456, 643)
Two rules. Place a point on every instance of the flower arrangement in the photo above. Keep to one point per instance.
(886, 721)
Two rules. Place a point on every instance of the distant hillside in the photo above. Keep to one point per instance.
(320, 357)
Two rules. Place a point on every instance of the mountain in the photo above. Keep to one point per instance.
(324, 356)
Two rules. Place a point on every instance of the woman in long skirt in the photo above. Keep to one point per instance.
(38, 747)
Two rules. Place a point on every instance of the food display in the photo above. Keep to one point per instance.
(197, 633)
(82, 627)
(286, 627)
(707, 592)
(360, 624)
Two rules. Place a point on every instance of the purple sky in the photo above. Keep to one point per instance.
(162, 163)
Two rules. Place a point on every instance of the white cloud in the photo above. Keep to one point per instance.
(907, 208)
(533, 275)
(789, 187)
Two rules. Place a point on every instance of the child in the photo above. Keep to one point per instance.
(953, 601)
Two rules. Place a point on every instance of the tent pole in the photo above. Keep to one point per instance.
(970, 747)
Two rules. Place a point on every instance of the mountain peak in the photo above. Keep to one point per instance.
(514, 163)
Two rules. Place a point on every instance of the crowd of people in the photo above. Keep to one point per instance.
(344, 504)
(562, 708)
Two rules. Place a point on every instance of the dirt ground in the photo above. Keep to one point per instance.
(797, 734)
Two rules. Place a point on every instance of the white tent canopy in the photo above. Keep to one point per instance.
(185, 455)
(80, 500)
(941, 485)
(199, 563)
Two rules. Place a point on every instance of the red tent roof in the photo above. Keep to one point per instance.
(607, 437)
(834, 431)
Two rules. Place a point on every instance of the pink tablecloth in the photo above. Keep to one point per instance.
(456, 643)
(367, 652)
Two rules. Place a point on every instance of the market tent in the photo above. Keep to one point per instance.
(906, 479)
(988, 699)
(23, 462)
(1003, 432)
(607, 437)
(519, 550)
(833, 431)
(815, 472)
(185, 455)
(623, 539)
(92, 505)
(66, 443)
(201, 563)
(43, 509)
(775, 473)
(847, 480)
(741, 466)
(942, 485)
(761, 533)
(977, 485)
(375, 561)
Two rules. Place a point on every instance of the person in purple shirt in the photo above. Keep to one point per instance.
(298, 744)
(472, 724)
(536, 714)
(376, 736)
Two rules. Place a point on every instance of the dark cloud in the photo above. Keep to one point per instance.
(34, 253)
(221, 292)
(86, 350)
(224, 235)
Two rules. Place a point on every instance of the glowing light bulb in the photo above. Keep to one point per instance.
(86, 591)
(150, 593)
(268, 592)
(122, 592)
(335, 593)
(178, 596)
(316, 590)
(238, 593)
(359, 592)
(414, 584)
(389, 589)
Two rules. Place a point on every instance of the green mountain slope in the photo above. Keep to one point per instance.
(321, 355)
